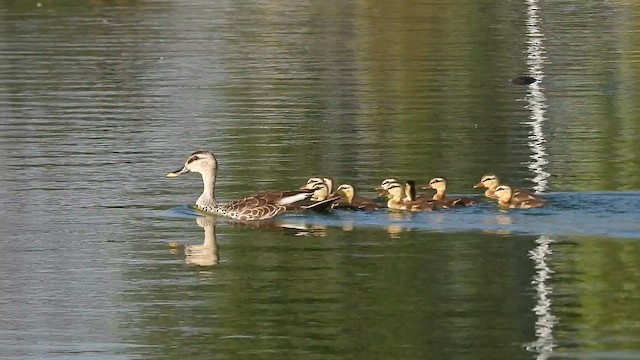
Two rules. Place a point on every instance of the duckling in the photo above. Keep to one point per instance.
(491, 182)
(321, 198)
(412, 195)
(398, 199)
(506, 199)
(260, 206)
(440, 186)
(382, 188)
(351, 201)
(315, 180)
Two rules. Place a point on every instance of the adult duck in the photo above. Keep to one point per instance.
(260, 206)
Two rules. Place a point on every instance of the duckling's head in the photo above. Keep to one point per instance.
(382, 189)
(312, 182)
(320, 191)
(438, 184)
(489, 181)
(395, 190)
(504, 193)
(347, 191)
(201, 161)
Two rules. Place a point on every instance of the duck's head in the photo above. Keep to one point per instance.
(312, 182)
(504, 193)
(320, 191)
(201, 161)
(395, 190)
(347, 191)
(489, 181)
(382, 189)
(438, 184)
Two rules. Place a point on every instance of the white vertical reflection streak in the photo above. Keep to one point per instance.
(545, 321)
(535, 98)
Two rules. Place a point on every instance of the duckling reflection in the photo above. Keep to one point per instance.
(205, 254)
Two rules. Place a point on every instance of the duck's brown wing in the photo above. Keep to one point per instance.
(266, 205)
(321, 205)
(425, 205)
(521, 195)
(341, 204)
(365, 204)
(463, 202)
(531, 203)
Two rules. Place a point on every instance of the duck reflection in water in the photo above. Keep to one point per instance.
(205, 254)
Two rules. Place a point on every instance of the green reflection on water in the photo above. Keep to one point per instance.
(356, 292)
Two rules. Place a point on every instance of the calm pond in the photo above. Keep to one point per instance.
(100, 99)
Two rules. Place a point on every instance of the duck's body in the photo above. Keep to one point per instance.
(351, 201)
(491, 182)
(260, 206)
(398, 199)
(440, 186)
(506, 199)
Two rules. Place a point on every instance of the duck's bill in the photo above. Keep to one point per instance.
(478, 185)
(177, 173)
(428, 187)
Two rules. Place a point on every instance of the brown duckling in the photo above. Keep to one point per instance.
(440, 186)
(491, 182)
(351, 201)
(506, 199)
(398, 199)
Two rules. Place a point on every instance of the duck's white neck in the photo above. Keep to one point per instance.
(208, 197)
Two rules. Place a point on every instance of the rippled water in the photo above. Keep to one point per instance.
(102, 257)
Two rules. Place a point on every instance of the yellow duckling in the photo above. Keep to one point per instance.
(398, 199)
(506, 199)
(318, 180)
(382, 189)
(440, 186)
(491, 182)
(351, 201)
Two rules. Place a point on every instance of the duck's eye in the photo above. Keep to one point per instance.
(488, 179)
(192, 159)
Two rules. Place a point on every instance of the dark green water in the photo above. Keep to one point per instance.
(100, 99)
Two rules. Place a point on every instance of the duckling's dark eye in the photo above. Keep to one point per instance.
(192, 159)
(487, 179)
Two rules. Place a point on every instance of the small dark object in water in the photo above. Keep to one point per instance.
(523, 80)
